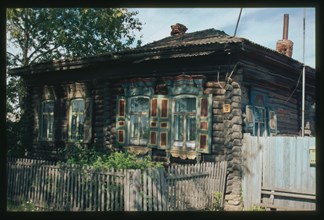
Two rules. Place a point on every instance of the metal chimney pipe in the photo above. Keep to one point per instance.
(285, 27)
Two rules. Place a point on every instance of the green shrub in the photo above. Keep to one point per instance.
(80, 155)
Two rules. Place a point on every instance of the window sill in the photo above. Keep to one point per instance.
(138, 150)
(184, 153)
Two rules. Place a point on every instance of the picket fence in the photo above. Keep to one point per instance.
(61, 187)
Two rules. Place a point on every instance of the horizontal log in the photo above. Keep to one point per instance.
(236, 112)
(237, 92)
(215, 91)
(218, 104)
(236, 128)
(228, 87)
(217, 111)
(218, 126)
(218, 140)
(215, 84)
(235, 85)
(237, 143)
(218, 118)
(236, 135)
(218, 134)
(236, 98)
(236, 105)
(218, 98)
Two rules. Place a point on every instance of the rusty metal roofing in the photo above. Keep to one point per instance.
(209, 36)
(205, 42)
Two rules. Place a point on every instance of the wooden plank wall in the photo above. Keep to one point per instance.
(280, 163)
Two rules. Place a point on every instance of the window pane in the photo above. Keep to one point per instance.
(139, 123)
(78, 105)
(44, 126)
(139, 104)
(178, 122)
(144, 123)
(134, 128)
(81, 127)
(73, 126)
(185, 105)
(259, 114)
(191, 128)
(48, 107)
(50, 126)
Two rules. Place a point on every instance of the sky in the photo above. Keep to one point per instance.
(263, 26)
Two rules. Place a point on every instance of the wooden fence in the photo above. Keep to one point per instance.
(278, 174)
(73, 188)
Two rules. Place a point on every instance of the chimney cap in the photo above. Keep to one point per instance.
(178, 29)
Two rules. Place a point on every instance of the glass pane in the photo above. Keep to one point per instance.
(191, 128)
(185, 105)
(178, 124)
(259, 114)
(144, 123)
(134, 126)
(81, 127)
(50, 126)
(78, 105)
(139, 104)
(73, 126)
(44, 126)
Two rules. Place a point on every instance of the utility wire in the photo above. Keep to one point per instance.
(238, 20)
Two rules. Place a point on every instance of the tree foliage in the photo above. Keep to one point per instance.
(43, 34)
(37, 35)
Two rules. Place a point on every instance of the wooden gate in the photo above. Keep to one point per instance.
(278, 173)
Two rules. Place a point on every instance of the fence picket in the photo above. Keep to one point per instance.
(62, 187)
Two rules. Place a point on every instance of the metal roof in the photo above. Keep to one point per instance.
(189, 44)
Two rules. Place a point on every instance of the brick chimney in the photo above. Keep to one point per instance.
(285, 46)
(178, 29)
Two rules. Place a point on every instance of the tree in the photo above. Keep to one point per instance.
(37, 35)
(43, 34)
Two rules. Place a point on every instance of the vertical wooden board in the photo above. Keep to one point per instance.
(103, 194)
(36, 192)
(145, 195)
(25, 186)
(256, 172)
(245, 172)
(150, 188)
(54, 188)
(45, 189)
(159, 189)
(155, 190)
(164, 191)
(113, 191)
(139, 190)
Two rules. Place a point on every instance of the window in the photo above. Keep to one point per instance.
(47, 120)
(185, 122)
(177, 121)
(260, 120)
(77, 116)
(139, 120)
